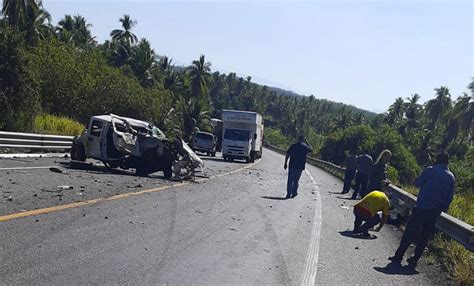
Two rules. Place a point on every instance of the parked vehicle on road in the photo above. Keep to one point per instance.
(243, 135)
(126, 143)
(204, 142)
(217, 125)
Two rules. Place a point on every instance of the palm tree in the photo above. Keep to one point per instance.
(125, 35)
(17, 11)
(437, 107)
(38, 26)
(199, 75)
(396, 111)
(412, 110)
(172, 80)
(193, 114)
(460, 122)
(143, 62)
(75, 30)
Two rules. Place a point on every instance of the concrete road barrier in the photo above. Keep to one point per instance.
(404, 202)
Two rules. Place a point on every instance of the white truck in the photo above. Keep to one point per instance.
(242, 135)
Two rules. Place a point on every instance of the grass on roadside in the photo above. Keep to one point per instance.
(57, 125)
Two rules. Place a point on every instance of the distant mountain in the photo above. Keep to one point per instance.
(367, 113)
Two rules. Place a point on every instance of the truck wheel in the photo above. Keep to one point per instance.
(213, 154)
(252, 156)
(78, 153)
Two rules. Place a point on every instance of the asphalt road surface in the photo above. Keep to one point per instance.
(233, 227)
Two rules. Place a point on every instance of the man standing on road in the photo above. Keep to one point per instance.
(297, 154)
(366, 210)
(364, 166)
(436, 185)
(351, 167)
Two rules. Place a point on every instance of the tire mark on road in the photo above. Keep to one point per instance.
(284, 276)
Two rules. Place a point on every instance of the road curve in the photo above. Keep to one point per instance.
(234, 228)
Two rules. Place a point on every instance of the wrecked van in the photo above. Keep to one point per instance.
(126, 143)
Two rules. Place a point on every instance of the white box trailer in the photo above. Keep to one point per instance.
(242, 135)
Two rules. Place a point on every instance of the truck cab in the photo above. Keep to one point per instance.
(243, 135)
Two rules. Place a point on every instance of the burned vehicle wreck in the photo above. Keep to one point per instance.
(126, 143)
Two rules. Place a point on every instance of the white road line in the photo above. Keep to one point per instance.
(26, 168)
(33, 155)
(311, 265)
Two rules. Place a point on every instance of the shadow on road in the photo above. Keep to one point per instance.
(396, 269)
(335, 193)
(348, 233)
(274, 198)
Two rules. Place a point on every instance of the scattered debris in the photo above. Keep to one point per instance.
(56, 170)
(106, 217)
(356, 247)
(65, 187)
(9, 199)
(135, 186)
(233, 229)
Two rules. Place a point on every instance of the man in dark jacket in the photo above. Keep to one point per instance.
(364, 167)
(297, 154)
(436, 185)
(351, 167)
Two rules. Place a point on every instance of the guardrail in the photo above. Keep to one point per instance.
(16, 140)
(404, 202)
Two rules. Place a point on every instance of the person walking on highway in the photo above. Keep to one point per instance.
(364, 165)
(366, 210)
(378, 175)
(436, 185)
(351, 167)
(297, 154)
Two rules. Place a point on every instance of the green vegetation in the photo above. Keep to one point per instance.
(61, 70)
(57, 125)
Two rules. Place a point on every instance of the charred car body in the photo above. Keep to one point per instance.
(126, 143)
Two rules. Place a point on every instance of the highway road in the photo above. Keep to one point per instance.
(231, 226)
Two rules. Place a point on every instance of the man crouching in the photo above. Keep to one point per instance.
(366, 210)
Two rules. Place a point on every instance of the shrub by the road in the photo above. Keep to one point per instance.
(56, 125)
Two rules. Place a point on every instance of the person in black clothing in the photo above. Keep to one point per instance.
(297, 154)
(378, 175)
(364, 166)
(351, 167)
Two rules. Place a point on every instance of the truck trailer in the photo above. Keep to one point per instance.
(242, 135)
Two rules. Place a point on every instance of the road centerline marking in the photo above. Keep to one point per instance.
(311, 264)
(108, 199)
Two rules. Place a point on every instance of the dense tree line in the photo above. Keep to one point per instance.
(63, 70)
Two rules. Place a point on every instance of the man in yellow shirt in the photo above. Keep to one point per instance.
(366, 210)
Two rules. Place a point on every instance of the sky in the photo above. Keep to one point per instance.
(365, 53)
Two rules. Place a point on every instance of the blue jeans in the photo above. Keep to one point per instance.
(292, 185)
